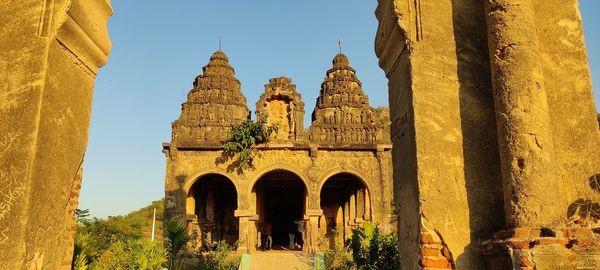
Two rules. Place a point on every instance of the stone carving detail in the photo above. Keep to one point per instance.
(214, 105)
(285, 108)
(343, 114)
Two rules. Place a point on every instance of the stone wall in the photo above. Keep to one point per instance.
(465, 165)
(51, 53)
(313, 167)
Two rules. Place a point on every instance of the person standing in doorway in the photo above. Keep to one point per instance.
(268, 231)
(300, 233)
(292, 234)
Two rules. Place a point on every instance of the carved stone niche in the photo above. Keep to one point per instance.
(284, 108)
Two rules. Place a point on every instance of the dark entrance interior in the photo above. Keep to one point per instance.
(215, 201)
(280, 199)
(345, 201)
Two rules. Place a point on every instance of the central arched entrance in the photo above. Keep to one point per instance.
(210, 206)
(280, 201)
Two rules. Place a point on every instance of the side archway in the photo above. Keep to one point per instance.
(211, 202)
(346, 203)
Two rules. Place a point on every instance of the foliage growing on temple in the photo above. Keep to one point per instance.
(244, 138)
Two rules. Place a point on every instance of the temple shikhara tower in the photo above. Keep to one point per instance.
(214, 105)
(332, 176)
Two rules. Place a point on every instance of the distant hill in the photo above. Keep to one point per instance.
(140, 221)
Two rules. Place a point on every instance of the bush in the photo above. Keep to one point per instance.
(177, 240)
(222, 258)
(339, 259)
(133, 254)
(372, 250)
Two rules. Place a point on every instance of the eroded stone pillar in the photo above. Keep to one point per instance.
(50, 54)
(311, 234)
(245, 239)
(524, 130)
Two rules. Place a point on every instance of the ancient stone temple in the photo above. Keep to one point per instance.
(333, 176)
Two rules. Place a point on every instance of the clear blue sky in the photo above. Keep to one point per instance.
(160, 46)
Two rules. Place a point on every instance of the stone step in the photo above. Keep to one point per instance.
(281, 260)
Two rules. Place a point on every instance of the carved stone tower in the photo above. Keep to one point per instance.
(214, 105)
(285, 108)
(342, 113)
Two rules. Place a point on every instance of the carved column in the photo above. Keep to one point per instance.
(524, 134)
(244, 238)
(311, 234)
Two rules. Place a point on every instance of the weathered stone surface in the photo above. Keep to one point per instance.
(449, 145)
(446, 170)
(214, 105)
(343, 114)
(50, 54)
(284, 108)
(524, 131)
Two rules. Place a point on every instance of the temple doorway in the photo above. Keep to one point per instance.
(346, 203)
(210, 207)
(280, 201)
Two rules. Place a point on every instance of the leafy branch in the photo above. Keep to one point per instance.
(244, 137)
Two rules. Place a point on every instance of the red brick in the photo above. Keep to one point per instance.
(446, 253)
(426, 238)
(518, 244)
(535, 232)
(519, 233)
(574, 232)
(524, 261)
(585, 241)
(443, 264)
(429, 252)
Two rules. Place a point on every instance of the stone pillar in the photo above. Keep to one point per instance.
(346, 217)
(360, 201)
(352, 215)
(311, 233)
(524, 129)
(368, 212)
(244, 238)
(50, 53)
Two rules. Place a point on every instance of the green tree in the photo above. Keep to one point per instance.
(243, 139)
(222, 258)
(133, 254)
(177, 239)
(372, 250)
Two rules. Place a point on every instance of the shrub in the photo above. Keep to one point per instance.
(177, 240)
(222, 258)
(372, 250)
(339, 259)
(133, 254)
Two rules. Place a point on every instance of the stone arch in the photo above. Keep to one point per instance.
(191, 179)
(345, 199)
(279, 197)
(211, 200)
(338, 170)
(280, 167)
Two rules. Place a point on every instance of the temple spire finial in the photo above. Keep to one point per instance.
(220, 42)
(340, 44)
